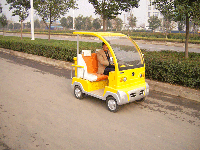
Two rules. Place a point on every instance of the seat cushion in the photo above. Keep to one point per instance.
(100, 76)
(91, 62)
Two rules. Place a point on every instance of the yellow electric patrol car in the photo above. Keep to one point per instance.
(124, 85)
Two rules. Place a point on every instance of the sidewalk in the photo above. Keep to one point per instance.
(167, 88)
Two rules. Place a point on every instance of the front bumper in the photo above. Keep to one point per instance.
(134, 95)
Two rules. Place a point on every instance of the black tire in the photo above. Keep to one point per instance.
(141, 100)
(112, 104)
(78, 92)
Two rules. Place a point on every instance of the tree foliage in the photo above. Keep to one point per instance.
(67, 22)
(0, 8)
(181, 25)
(166, 9)
(51, 10)
(3, 21)
(37, 24)
(17, 26)
(10, 26)
(63, 22)
(83, 23)
(132, 21)
(188, 9)
(154, 22)
(109, 9)
(96, 23)
(20, 8)
(118, 24)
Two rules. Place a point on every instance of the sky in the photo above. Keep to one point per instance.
(85, 9)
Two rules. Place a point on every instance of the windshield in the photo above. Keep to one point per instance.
(126, 52)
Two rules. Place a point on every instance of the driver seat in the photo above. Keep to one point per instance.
(90, 63)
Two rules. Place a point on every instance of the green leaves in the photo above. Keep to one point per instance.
(3, 20)
(132, 21)
(109, 9)
(20, 8)
(51, 10)
(171, 67)
(154, 22)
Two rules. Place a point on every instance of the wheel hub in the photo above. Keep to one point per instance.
(77, 92)
(112, 104)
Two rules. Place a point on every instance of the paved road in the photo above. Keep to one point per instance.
(141, 44)
(39, 111)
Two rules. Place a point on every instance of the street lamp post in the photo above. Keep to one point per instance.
(32, 21)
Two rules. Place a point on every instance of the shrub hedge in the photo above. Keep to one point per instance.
(165, 66)
(162, 35)
(55, 49)
(172, 67)
(164, 39)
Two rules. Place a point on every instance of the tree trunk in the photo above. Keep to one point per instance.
(193, 29)
(21, 29)
(3, 32)
(49, 25)
(49, 30)
(104, 24)
(187, 36)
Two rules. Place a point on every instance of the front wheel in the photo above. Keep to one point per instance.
(112, 104)
(78, 92)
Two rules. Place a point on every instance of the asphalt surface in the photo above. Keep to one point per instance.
(148, 45)
(39, 111)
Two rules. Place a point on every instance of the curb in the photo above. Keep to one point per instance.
(167, 88)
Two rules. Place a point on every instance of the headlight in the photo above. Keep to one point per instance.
(142, 75)
(123, 79)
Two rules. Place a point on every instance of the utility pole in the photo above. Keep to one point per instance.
(32, 21)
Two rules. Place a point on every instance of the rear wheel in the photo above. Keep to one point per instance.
(78, 92)
(112, 104)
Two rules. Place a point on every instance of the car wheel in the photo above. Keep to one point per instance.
(78, 92)
(112, 104)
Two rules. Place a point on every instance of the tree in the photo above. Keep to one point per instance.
(183, 9)
(0, 8)
(196, 23)
(83, 23)
(87, 21)
(63, 22)
(69, 22)
(96, 23)
(17, 26)
(181, 25)
(20, 8)
(109, 24)
(118, 24)
(154, 23)
(3, 21)
(28, 25)
(37, 24)
(51, 10)
(10, 26)
(166, 9)
(132, 21)
(79, 22)
(109, 9)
